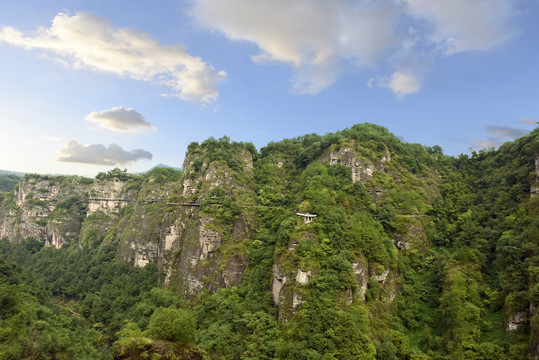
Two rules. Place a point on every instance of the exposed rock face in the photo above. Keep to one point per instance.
(279, 279)
(515, 320)
(47, 208)
(296, 300)
(234, 270)
(362, 168)
(59, 209)
(109, 196)
(303, 276)
(192, 258)
(209, 240)
(382, 277)
(194, 246)
(362, 275)
(534, 190)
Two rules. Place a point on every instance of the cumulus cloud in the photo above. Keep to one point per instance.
(401, 83)
(313, 36)
(321, 39)
(87, 40)
(97, 154)
(120, 119)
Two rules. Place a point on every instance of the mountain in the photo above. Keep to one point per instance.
(16, 173)
(350, 245)
(8, 181)
(165, 166)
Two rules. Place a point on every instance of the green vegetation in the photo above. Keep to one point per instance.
(423, 256)
(8, 182)
(116, 173)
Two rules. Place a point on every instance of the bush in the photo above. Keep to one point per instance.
(172, 324)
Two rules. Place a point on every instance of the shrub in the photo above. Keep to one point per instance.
(172, 324)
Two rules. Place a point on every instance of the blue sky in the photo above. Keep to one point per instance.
(86, 86)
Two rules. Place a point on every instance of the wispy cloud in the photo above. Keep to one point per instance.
(321, 39)
(528, 121)
(120, 119)
(487, 143)
(463, 25)
(503, 133)
(98, 154)
(87, 40)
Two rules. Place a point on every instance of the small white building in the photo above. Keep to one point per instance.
(307, 218)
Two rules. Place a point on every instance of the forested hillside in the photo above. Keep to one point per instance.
(8, 182)
(350, 245)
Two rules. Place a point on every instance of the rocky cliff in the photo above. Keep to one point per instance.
(48, 208)
(353, 223)
(195, 226)
(203, 245)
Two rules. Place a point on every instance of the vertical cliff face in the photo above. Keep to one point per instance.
(195, 227)
(534, 189)
(210, 218)
(47, 208)
(108, 198)
(61, 209)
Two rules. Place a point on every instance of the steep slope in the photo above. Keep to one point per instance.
(347, 245)
(204, 245)
(45, 207)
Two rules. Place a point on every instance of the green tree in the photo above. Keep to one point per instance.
(172, 324)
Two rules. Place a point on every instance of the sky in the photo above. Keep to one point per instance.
(87, 86)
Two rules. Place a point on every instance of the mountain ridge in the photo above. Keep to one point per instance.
(412, 254)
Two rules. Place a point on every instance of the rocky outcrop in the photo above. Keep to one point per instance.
(279, 280)
(534, 188)
(200, 246)
(362, 275)
(109, 196)
(48, 208)
(234, 270)
(60, 209)
(515, 320)
(362, 168)
(303, 276)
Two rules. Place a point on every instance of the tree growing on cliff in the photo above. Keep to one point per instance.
(172, 324)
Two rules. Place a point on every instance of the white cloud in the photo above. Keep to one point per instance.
(402, 83)
(87, 40)
(464, 25)
(313, 36)
(120, 119)
(97, 154)
(320, 39)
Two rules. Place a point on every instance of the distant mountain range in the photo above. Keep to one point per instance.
(7, 172)
(165, 166)
(21, 174)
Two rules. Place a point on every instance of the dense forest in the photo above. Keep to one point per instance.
(409, 254)
(8, 182)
